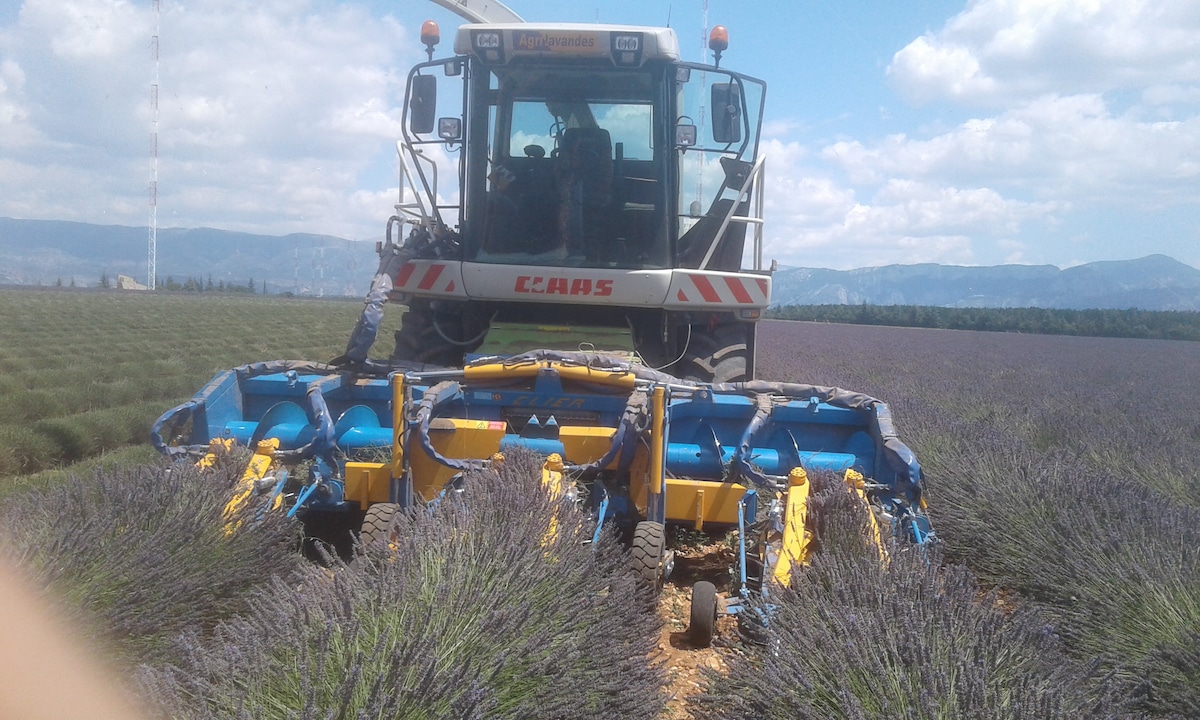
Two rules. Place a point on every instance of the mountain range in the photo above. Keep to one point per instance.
(45, 252)
(1155, 282)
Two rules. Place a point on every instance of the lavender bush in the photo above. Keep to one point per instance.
(478, 613)
(1064, 469)
(857, 638)
(139, 554)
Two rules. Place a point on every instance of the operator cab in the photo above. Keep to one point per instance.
(587, 146)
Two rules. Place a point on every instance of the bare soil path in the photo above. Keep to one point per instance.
(685, 663)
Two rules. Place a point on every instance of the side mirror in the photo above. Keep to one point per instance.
(685, 135)
(726, 113)
(422, 104)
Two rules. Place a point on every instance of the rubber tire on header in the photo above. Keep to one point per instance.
(649, 549)
(703, 623)
(376, 532)
(419, 339)
(719, 356)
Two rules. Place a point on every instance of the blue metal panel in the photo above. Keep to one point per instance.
(364, 438)
(220, 403)
(688, 460)
(544, 446)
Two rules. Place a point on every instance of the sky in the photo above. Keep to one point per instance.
(976, 132)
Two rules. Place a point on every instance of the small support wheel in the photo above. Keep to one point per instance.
(704, 614)
(649, 550)
(376, 532)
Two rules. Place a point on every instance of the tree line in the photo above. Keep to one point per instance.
(191, 284)
(1129, 323)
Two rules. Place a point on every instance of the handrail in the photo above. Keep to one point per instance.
(752, 183)
(406, 174)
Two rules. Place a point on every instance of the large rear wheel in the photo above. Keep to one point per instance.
(438, 333)
(719, 355)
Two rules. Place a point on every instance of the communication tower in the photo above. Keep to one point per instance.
(152, 253)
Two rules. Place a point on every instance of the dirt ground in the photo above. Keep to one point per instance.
(685, 662)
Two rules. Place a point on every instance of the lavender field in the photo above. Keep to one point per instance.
(1063, 478)
(1064, 474)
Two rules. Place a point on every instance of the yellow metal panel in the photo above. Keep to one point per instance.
(453, 438)
(702, 501)
(584, 444)
(638, 472)
(368, 483)
(578, 373)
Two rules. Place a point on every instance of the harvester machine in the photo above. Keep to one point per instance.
(597, 180)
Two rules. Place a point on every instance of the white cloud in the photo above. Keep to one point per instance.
(1053, 148)
(90, 31)
(997, 51)
(269, 113)
(15, 130)
(815, 219)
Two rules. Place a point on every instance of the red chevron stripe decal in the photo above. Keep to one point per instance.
(739, 290)
(707, 291)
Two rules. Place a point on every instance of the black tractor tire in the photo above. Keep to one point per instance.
(438, 333)
(703, 623)
(376, 533)
(720, 355)
(649, 549)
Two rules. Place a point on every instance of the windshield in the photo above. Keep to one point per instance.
(572, 170)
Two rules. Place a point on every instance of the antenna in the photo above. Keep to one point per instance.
(152, 252)
(702, 113)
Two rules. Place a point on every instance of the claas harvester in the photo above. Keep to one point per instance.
(598, 180)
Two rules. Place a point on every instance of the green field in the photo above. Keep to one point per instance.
(84, 374)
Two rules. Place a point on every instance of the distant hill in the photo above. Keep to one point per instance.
(1156, 282)
(44, 251)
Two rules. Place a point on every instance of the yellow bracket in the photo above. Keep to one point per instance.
(368, 483)
(260, 463)
(857, 484)
(797, 538)
(399, 427)
(554, 482)
(216, 446)
(657, 446)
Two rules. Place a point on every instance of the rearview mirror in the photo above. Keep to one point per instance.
(422, 104)
(726, 113)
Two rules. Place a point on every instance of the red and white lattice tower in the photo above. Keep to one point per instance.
(152, 255)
